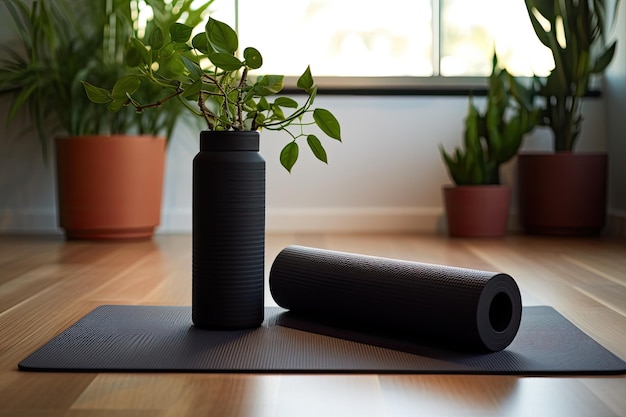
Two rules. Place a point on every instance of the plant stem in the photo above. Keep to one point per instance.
(159, 103)
(222, 93)
(292, 117)
(242, 84)
(205, 112)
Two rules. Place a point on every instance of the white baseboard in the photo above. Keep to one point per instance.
(284, 220)
(616, 224)
(175, 221)
(29, 221)
(356, 219)
(353, 219)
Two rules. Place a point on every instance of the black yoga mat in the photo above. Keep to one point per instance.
(125, 338)
(473, 309)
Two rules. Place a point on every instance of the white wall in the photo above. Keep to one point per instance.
(386, 175)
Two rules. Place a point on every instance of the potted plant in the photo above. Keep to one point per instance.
(478, 204)
(102, 190)
(208, 77)
(564, 192)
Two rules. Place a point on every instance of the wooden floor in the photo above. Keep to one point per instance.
(46, 284)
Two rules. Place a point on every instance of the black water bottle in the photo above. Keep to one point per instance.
(228, 231)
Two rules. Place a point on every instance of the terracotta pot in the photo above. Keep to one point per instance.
(477, 210)
(109, 187)
(563, 193)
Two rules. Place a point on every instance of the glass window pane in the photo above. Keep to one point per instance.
(470, 29)
(339, 37)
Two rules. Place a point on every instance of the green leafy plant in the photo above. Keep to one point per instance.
(31, 72)
(205, 74)
(493, 138)
(575, 31)
(164, 14)
(62, 42)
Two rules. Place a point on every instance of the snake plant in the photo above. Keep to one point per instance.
(576, 33)
(493, 137)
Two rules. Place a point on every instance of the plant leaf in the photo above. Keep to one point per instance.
(137, 53)
(305, 82)
(133, 57)
(289, 155)
(172, 66)
(471, 136)
(259, 119)
(124, 86)
(268, 85)
(116, 105)
(192, 90)
(225, 61)
(253, 58)
(156, 38)
(180, 32)
(193, 68)
(96, 94)
(312, 95)
(23, 96)
(317, 148)
(249, 105)
(554, 13)
(286, 102)
(221, 36)
(277, 113)
(181, 47)
(328, 123)
(263, 105)
(604, 60)
(201, 43)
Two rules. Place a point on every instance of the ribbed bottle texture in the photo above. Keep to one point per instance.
(228, 231)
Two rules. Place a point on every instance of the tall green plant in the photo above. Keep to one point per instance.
(206, 75)
(493, 138)
(576, 33)
(63, 42)
(50, 35)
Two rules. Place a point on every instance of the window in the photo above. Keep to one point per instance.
(406, 42)
(341, 37)
(469, 31)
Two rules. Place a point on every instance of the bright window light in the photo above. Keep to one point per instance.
(396, 38)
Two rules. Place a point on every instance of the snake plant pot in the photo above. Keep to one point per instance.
(477, 210)
(563, 193)
(228, 231)
(109, 187)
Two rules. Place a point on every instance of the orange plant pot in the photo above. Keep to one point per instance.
(477, 210)
(109, 187)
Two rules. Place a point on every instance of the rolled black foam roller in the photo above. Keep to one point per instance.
(470, 309)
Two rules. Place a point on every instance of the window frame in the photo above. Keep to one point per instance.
(410, 86)
(394, 86)
(435, 85)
